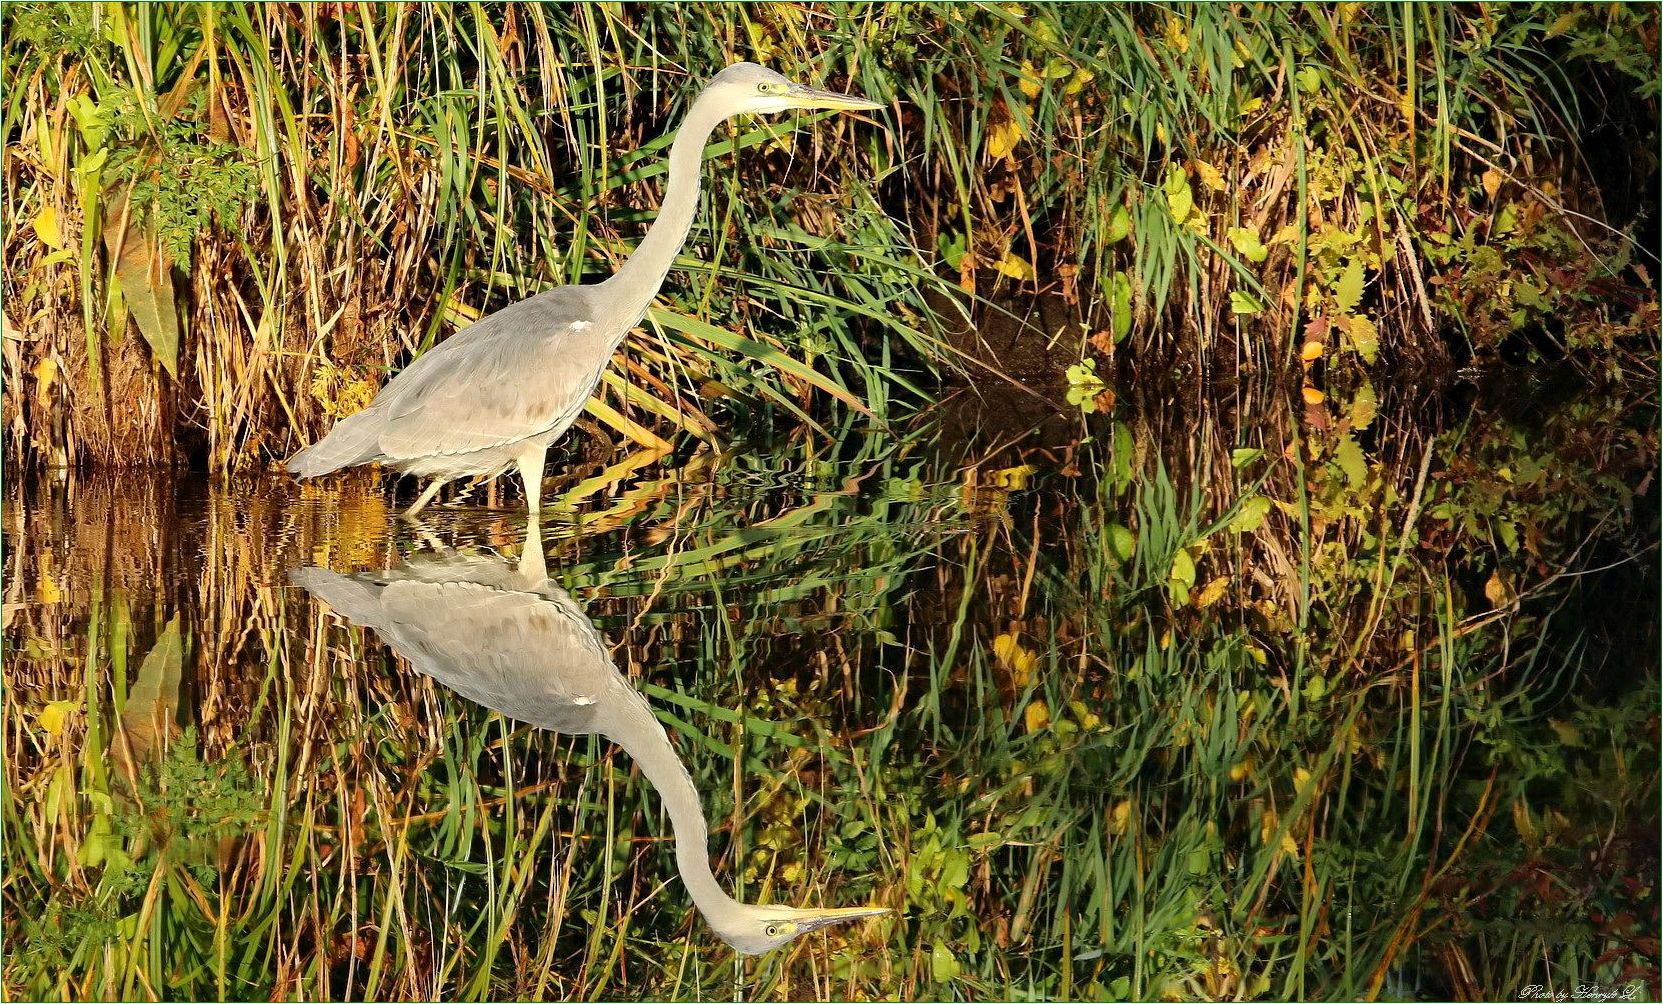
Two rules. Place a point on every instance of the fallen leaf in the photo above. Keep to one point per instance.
(1015, 266)
(1311, 394)
(1002, 138)
(1310, 352)
(1212, 592)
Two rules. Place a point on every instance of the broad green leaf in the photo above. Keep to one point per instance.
(1120, 224)
(1350, 458)
(1183, 568)
(1251, 514)
(1120, 300)
(1244, 303)
(1247, 244)
(1122, 542)
(1179, 199)
(943, 965)
(1349, 289)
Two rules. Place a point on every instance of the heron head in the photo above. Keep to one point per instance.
(756, 929)
(749, 88)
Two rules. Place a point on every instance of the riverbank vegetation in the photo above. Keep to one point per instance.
(1184, 523)
(227, 224)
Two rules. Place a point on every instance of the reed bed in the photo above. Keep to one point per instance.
(226, 224)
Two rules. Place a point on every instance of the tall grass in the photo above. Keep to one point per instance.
(226, 224)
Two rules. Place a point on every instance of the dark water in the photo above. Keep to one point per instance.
(1182, 706)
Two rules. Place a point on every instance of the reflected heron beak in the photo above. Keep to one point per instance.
(826, 918)
(812, 97)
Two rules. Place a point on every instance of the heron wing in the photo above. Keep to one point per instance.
(523, 370)
(527, 655)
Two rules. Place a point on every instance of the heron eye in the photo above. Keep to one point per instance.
(772, 930)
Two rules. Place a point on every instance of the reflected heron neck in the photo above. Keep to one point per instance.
(644, 739)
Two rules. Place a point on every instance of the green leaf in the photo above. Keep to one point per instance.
(1251, 514)
(1120, 225)
(1244, 303)
(1247, 244)
(1350, 458)
(1349, 290)
(1120, 300)
(943, 965)
(1179, 199)
(1122, 542)
(983, 841)
(1183, 568)
(1245, 455)
(145, 279)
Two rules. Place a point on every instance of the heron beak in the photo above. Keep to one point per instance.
(812, 97)
(826, 918)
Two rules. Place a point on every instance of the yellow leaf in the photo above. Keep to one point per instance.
(1498, 590)
(1176, 36)
(1020, 661)
(1311, 352)
(1037, 716)
(1015, 266)
(1212, 592)
(46, 371)
(1312, 395)
(1287, 235)
(1289, 848)
(1079, 80)
(1491, 180)
(1209, 175)
(46, 225)
(1014, 478)
(46, 590)
(1301, 777)
(1241, 770)
(1120, 816)
(52, 717)
(1002, 138)
(1029, 82)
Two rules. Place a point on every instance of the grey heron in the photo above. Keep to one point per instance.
(498, 393)
(508, 638)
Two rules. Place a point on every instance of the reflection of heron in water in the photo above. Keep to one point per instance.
(509, 638)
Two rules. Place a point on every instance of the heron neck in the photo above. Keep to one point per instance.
(637, 282)
(649, 747)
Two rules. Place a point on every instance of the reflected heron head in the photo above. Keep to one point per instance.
(747, 88)
(753, 930)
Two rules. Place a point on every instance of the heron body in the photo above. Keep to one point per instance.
(510, 639)
(498, 393)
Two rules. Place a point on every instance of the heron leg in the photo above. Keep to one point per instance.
(531, 464)
(426, 497)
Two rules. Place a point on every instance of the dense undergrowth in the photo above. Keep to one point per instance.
(226, 224)
(1312, 653)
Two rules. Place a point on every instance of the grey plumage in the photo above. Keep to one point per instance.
(498, 393)
(510, 639)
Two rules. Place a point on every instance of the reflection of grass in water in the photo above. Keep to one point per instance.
(1133, 794)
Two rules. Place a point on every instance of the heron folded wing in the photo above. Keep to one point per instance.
(524, 370)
